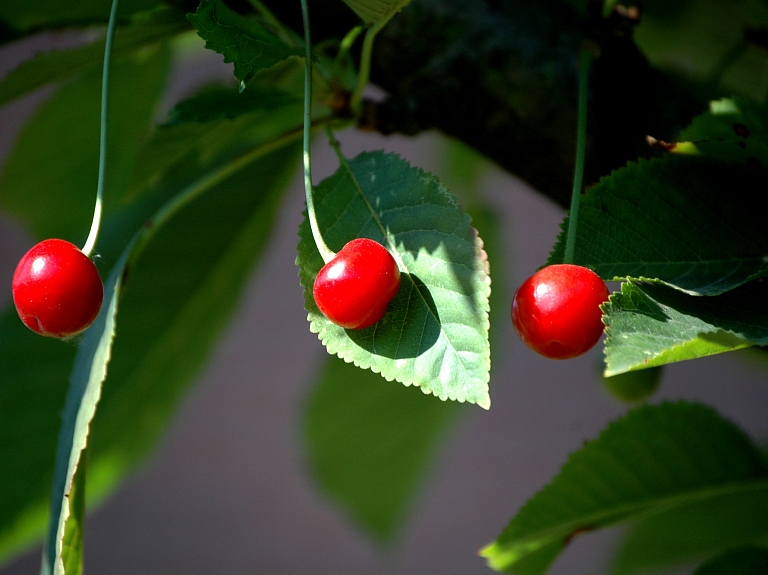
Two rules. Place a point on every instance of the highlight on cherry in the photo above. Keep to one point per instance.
(57, 289)
(556, 312)
(354, 289)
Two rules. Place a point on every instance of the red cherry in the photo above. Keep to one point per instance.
(354, 288)
(56, 289)
(556, 311)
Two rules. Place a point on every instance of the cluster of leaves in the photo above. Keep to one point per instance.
(682, 230)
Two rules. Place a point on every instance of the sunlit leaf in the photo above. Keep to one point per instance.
(371, 11)
(650, 325)
(655, 459)
(435, 331)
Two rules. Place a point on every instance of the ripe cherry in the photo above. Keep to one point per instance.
(57, 289)
(556, 311)
(355, 287)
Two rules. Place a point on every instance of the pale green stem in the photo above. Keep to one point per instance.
(585, 59)
(348, 41)
(93, 235)
(365, 60)
(325, 252)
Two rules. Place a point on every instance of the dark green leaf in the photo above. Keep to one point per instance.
(25, 15)
(650, 325)
(48, 67)
(656, 459)
(696, 531)
(633, 386)
(49, 178)
(692, 223)
(732, 130)
(743, 561)
(217, 103)
(245, 42)
(371, 11)
(369, 443)
(435, 331)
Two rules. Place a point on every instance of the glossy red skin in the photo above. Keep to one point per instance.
(57, 289)
(354, 288)
(556, 311)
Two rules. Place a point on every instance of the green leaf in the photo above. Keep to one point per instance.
(49, 178)
(218, 102)
(144, 30)
(649, 325)
(732, 131)
(245, 42)
(371, 11)
(655, 459)
(49, 182)
(369, 443)
(25, 15)
(435, 331)
(692, 223)
(633, 386)
(84, 392)
(696, 531)
(743, 561)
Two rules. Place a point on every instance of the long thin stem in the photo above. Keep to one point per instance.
(365, 57)
(326, 253)
(93, 235)
(585, 59)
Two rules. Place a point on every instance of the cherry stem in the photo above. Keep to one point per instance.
(325, 252)
(364, 73)
(93, 235)
(585, 59)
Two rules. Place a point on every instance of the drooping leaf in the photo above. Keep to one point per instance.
(25, 15)
(49, 178)
(435, 331)
(144, 30)
(633, 386)
(371, 11)
(184, 282)
(655, 459)
(695, 531)
(84, 392)
(747, 560)
(693, 223)
(218, 102)
(49, 183)
(240, 40)
(650, 325)
(732, 130)
(369, 443)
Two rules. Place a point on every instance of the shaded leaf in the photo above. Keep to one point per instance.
(371, 11)
(690, 222)
(240, 40)
(49, 178)
(732, 130)
(435, 331)
(633, 386)
(696, 531)
(650, 325)
(655, 459)
(25, 15)
(55, 66)
(215, 103)
(369, 443)
(743, 561)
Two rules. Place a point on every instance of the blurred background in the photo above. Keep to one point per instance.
(230, 489)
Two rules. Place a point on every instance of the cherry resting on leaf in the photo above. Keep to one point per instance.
(556, 311)
(355, 287)
(57, 289)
